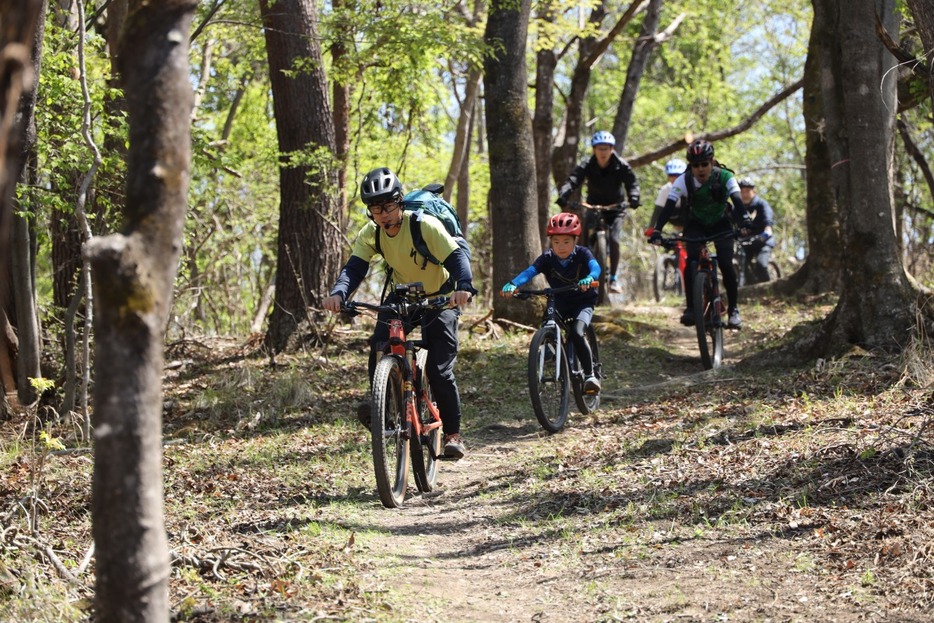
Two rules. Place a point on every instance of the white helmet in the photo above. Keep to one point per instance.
(675, 166)
(602, 138)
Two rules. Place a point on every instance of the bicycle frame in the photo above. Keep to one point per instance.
(401, 346)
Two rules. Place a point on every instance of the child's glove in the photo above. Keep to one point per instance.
(586, 282)
(508, 289)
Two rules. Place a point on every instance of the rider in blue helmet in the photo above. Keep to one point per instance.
(610, 181)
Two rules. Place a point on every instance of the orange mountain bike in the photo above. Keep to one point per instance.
(405, 424)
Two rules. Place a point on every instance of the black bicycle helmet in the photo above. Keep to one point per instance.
(700, 151)
(379, 186)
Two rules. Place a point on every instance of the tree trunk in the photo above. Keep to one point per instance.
(923, 13)
(309, 241)
(823, 266)
(22, 38)
(876, 306)
(133, 276)
(543, 123)
(21, 47)
(637, 62)
(341, 97)
(565, 156)
(513, 201)
(462, 135)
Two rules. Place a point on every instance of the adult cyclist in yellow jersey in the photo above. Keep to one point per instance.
(381, 191)
(704, 190)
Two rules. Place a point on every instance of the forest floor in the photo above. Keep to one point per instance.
(769, 490)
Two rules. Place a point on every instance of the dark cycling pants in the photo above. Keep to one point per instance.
(439, 331)
(577, 318)
(758, 256)
(694, 229)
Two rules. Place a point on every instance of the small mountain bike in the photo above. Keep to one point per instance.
(745, 274)
(596, 239)
(669, 272)
(554, 370)
(708, 305)
(405, 424)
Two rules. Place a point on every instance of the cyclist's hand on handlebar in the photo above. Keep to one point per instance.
(333, 303)
(562, 202)
(508, 289)
(654, 236)
(586, 282)
(459, 298)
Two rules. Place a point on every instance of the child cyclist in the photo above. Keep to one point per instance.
(563, 264)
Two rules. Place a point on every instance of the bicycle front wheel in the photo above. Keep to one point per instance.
(588, 403)
(549, 380)
(666, 278)
(774, 271)
(388, 428)
(426, 449)
(601, 254)
(707, 321)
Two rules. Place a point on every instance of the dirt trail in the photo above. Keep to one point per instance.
(485, 563)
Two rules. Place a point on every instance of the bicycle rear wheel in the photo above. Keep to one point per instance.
(586, 403)
(388, 429)
(549, 382)
(707, 322)
(426, 450)
(666, 278)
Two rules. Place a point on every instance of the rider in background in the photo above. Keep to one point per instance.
(763, 218)
(704, 189)
(567, 263)
(673, 168)
(610, 181)
(381, 191)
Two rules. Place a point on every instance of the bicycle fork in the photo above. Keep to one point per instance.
(558, 353)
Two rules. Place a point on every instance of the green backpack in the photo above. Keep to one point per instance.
(428, 201)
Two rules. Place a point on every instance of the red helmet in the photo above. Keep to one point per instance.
(564, 223)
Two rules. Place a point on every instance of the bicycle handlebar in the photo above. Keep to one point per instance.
(524, 294)
(354, 307)
(671, 241)
(612, 207)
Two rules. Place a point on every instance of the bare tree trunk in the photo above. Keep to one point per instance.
(565, 156)
(876, 306)
(463, 182)
(643, 48)
(513, 201)
(543, 122)
(133, 275)
(462, 136)
(309, 247)
(823, 267)
(24, 29)
(341, 97)
(21, 47)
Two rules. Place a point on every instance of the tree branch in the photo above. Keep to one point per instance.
(717, 135)
(912, 148)
(604, 43)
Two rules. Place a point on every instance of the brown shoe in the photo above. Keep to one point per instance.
(454, 446)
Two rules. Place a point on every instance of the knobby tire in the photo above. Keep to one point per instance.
(425, 451)
(587, 403)
(666, 277)
(549, 384)
(391, 454)
(707, 322)
(601, 255)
